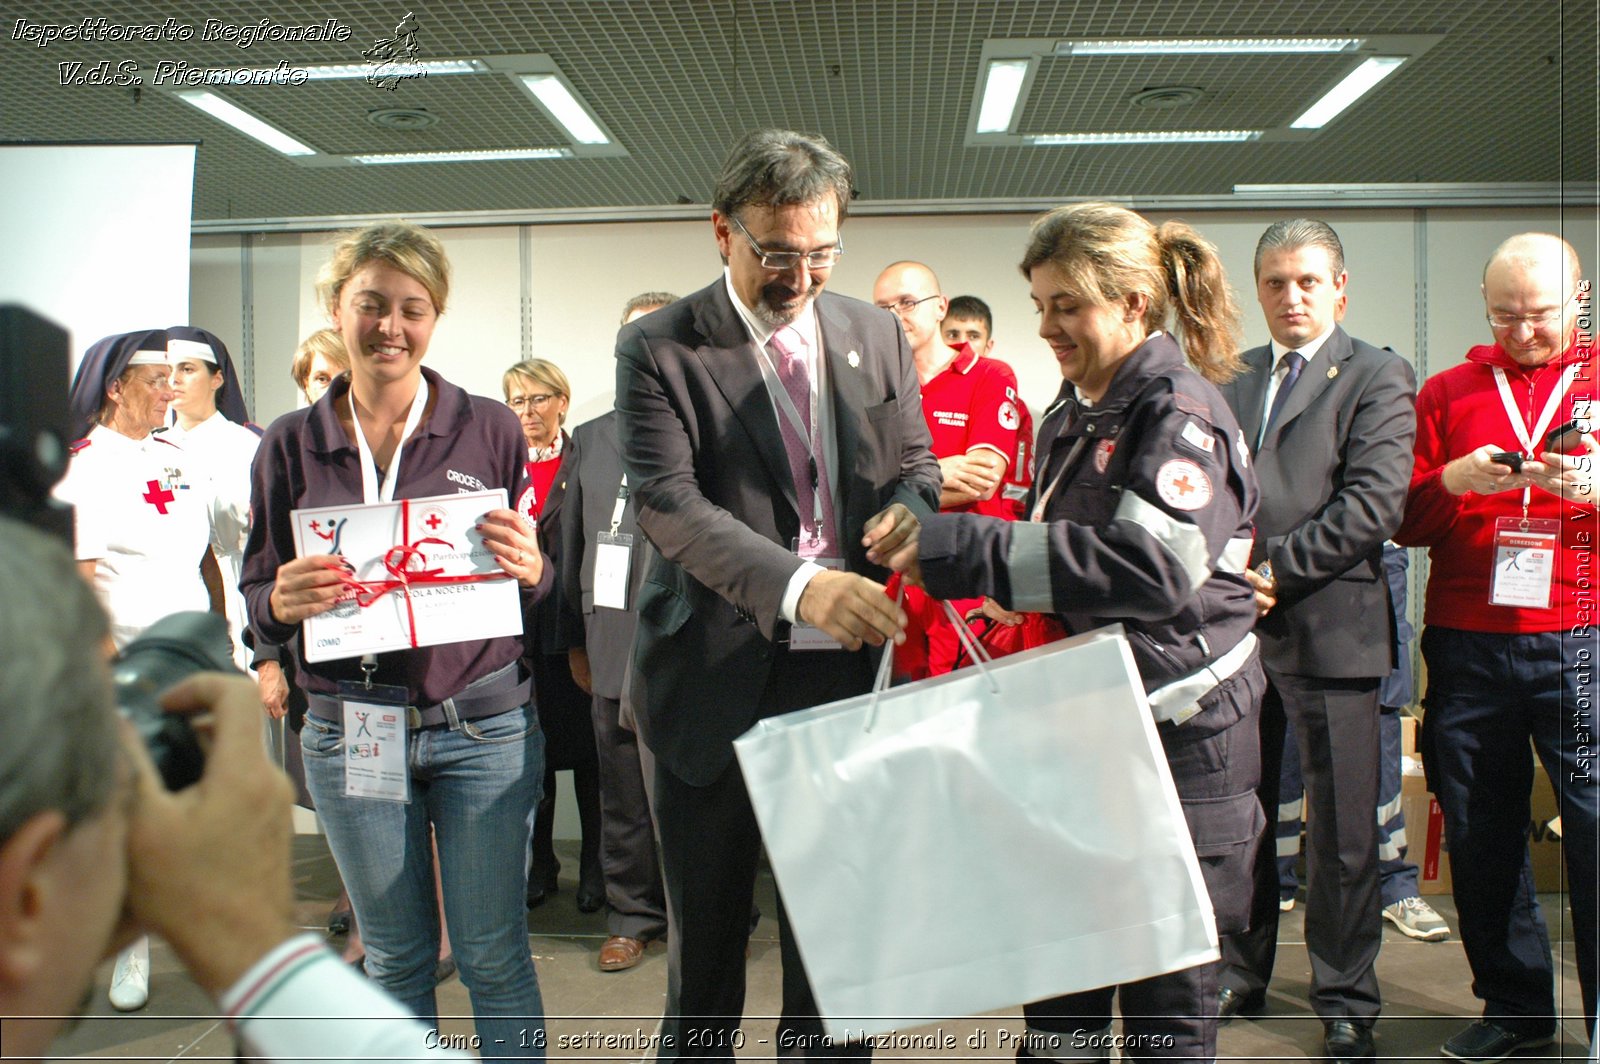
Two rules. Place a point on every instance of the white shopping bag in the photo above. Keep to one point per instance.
(979, 840)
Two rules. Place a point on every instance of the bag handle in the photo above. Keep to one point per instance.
(981, 658)
(880, 683)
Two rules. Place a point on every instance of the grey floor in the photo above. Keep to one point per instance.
(1425, 986)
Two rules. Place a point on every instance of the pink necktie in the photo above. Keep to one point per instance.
(789, 352)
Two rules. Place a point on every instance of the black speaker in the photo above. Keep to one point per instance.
(35, 422)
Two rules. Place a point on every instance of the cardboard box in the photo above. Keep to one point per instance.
(1427, 848)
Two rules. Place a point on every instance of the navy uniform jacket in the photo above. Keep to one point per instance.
(1148, 522)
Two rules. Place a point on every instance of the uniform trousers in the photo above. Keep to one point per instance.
(1215, 760)
(1488, 695)
(1337, 722)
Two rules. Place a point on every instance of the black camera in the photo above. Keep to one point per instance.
(169, 650)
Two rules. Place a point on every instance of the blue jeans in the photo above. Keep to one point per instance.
(1488, 694)
(477, 784)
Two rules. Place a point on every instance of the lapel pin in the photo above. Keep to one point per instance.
(1333, 371)
(854, 360)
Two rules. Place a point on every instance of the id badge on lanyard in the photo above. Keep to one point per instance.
(376, 724)
(1523, 572)
(803, 636)
(1524, 562)
(613, 558)
(375, 733)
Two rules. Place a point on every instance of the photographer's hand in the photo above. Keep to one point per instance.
(208, 867)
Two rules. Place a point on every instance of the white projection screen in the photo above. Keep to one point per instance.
(96, 236)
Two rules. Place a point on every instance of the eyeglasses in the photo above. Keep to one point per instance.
(1533, 321)
(905, 304)
(1536, 321)
(820, 259)
(530, 402)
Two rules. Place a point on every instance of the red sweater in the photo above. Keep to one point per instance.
(1459, 411)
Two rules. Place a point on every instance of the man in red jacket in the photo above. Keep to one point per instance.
(1510, 642)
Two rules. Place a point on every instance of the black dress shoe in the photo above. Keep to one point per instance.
(542, 884)
(1346, 1041)
(591, 890)
(1231, 1003)
(339, 922)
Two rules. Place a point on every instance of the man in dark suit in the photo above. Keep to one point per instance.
(776, 441)
(599, 525)
(1331, 420)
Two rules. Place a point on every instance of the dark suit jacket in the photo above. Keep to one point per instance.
(1334, 470)
(551, 630)
(700, 440)
(606, 633)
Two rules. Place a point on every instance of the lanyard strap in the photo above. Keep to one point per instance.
(371, 490)
(1518, 425)
(1055, 482)
(622, 502)
(786, 407)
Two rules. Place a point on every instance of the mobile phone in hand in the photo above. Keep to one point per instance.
(1568, 437)
(1512, 460)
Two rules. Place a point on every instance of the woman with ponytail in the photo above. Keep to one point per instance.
(1140, 514)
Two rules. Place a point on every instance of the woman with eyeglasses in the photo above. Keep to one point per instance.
(538, 393)
(142, 521)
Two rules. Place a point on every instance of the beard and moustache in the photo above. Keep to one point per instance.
(780, 305)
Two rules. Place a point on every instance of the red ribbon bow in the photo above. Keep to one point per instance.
(398, 560)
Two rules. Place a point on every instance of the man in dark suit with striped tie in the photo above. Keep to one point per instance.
(1330, 420)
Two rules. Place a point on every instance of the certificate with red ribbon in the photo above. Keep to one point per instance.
(419, 574)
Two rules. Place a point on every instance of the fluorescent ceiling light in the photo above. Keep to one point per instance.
(1356, 84)
(1002, 88)
(462, 156)
(402, 68)
(565, 108)
(1165, 136)
(245, 122)
(1210, 46)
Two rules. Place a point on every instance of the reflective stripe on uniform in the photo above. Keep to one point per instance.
(1393, 848)
(1185, 542)
(1235, 556)
(1028, 564)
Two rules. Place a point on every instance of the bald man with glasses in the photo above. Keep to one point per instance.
(1508, 517)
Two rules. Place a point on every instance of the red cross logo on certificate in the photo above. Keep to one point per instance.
(157, 496)
(433, 522)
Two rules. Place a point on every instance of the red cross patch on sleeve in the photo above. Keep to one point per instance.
(1182, 484)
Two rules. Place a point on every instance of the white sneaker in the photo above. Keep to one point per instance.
(130, 980)
(1416, 919)
(1286, 905)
